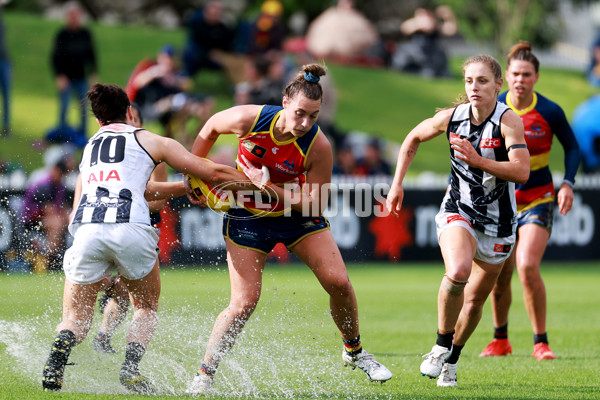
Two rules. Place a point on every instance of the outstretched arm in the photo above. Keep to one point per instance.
(426, 130)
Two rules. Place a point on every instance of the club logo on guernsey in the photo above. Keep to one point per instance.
(490, 143)
(255, 149)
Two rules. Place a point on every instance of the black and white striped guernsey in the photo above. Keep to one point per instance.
(114, 171)
(486, 201)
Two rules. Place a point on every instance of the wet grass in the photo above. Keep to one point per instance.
(291, 348)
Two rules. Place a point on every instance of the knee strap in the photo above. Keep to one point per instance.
(453, 286)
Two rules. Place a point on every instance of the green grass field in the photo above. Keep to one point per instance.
(290, 347)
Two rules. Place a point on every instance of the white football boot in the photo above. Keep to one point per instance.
(432, 365)
(201, 384)
(448, 375)
(366, 362)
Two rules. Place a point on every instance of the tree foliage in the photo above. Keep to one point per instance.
(508, 21)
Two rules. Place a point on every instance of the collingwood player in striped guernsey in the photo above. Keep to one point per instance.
(476, 223)
(110, 223)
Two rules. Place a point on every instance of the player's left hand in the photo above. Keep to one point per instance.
(258, 177)
(565, 198)
(464, 150)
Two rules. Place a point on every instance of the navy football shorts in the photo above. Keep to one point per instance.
(262, 233)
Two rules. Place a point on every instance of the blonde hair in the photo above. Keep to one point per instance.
(478, 59)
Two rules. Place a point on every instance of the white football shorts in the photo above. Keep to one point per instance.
(490, 249)
(99, 248)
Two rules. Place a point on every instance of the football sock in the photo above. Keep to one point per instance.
(501, 332)
(445, 339)
(205, 369)
(542, 338)
(133, 355)
(103, 337)
(454, 354)
(353, 346)
(62, 345)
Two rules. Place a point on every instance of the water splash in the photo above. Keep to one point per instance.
(279, 354)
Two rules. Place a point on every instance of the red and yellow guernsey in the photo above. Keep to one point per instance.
(543, 120)
(286, 160)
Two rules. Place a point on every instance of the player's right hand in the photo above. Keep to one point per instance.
(201, 201)
(394, 199)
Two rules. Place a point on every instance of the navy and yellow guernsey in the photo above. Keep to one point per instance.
(286, 160)
(542, 120)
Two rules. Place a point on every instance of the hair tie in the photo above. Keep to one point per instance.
(311, 78)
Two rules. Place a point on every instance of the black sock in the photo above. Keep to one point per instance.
(454, 354)
(501, 332)
(133, 355)
(445, 339)
(542, 338)
(63, 343)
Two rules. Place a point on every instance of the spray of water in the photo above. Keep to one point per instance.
(280, 354)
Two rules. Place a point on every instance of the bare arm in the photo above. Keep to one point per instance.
(516, 169)
(236, 120)
(173, 153)
(426, 130)
(158, 175)
(76, 197)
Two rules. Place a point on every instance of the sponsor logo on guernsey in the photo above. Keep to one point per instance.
(535, 132)
(284, 169)
(490, 143)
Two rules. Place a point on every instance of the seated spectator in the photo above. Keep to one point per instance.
(45, 210)
(372, 163)
(267, 32)
(264, 82)
(422, 53)
(162, 92)
(206, 31)
(343, 34)
(586, 127)
(345, 162)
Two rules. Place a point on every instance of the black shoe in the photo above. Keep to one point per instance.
(52, 376)
(103, 345)
(134, 382)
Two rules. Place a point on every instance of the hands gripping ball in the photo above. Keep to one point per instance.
(216, 199)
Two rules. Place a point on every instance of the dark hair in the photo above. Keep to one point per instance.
(109, 103)
(523, 51)
(137, 108)
(306, 82)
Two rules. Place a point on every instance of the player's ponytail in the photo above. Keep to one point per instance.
(524, 52)
(307, 82)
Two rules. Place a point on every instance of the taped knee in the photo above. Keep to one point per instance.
(453, 286)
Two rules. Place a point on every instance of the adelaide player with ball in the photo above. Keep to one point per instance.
(290, 144)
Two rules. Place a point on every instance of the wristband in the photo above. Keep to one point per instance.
(571, 184)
